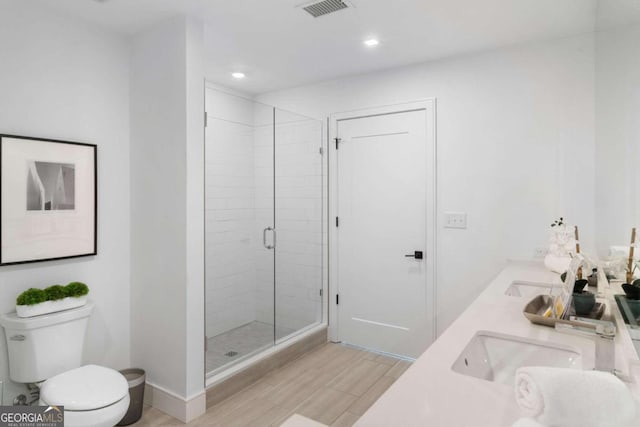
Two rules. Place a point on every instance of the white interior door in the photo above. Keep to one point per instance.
(384, 204)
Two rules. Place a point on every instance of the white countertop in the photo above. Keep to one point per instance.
(431, 394)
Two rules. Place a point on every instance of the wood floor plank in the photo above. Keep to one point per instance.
(360, 378)
(245, 415)
(379, 358)
(240, 400)
(297, 420)
(364, 402)
(398, 369)
(297, 367)
(313, 377)
(325, 405)
(277, 414)
(347, 419)
(278, 422)
(293, 393)
(331, 358)
(342, 362)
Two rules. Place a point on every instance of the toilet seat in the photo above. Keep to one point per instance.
(92, 396)
(86, 388)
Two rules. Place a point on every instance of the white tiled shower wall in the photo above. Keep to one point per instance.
(240, 188)
(231, 275)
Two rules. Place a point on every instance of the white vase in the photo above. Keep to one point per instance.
(557, 264)
(50, 306)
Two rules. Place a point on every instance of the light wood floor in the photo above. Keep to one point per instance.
(333, 384)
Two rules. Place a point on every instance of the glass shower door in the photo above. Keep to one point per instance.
(298, 221)
(264, 241)
(239, 213)
(264, 190)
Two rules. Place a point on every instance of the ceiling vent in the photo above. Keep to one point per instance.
(325, 7)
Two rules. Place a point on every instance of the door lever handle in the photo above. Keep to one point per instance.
(415, 254)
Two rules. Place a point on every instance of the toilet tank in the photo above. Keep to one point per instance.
(43, 346)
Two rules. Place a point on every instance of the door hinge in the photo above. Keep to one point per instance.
(320, 292)
(337, 222)
(206, 119)
(337, 140)
(206, 344)
(337, 299)
(321, 151)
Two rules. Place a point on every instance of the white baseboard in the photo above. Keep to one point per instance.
(178, 407)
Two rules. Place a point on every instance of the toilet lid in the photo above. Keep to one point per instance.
(85, 388)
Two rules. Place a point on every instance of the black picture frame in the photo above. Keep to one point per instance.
(18, 167)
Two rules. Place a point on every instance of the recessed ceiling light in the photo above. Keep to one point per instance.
(371, 42)
(238, 75)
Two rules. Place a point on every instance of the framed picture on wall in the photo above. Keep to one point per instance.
(48, 199)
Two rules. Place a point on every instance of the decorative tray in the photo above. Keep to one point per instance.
(535, 309)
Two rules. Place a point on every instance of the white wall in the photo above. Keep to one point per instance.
(167, 209)
(617, 135)
(64, 80)
(515, 149)
(194, 146)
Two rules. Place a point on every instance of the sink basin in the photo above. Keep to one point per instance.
(496, 357)
(520, 288)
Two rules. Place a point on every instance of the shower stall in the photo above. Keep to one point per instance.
(264, 228)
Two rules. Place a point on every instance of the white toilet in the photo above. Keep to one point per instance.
(47, 351)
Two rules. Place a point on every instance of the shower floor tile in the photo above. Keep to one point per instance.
(237, 343)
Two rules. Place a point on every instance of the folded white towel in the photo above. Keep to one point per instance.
(527, 422)
(574, 398)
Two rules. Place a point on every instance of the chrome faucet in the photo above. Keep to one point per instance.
(605, 355)
(602, 331)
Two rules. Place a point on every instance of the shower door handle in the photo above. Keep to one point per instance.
(264, 238)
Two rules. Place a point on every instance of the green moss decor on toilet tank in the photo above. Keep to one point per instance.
(35, 302)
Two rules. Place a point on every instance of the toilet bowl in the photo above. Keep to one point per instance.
(46, 350)
(92, 396)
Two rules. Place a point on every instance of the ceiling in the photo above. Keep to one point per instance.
(278, 45)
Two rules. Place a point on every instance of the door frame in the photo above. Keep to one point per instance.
(429, 106)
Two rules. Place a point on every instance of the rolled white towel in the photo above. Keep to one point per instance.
(574, 398)
(527, 422)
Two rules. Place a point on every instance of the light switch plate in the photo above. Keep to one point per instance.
(455, 220)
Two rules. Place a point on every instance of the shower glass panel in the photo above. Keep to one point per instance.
(298, 219)
(264, 243)
(239, 265)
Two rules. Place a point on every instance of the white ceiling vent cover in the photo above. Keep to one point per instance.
(325, 7)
